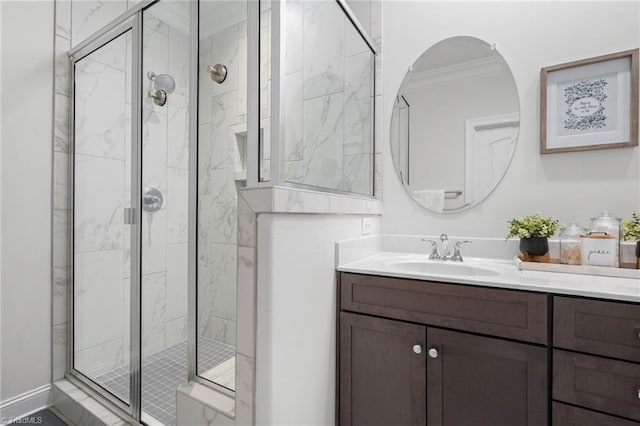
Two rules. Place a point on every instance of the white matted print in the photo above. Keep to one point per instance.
(590, 104)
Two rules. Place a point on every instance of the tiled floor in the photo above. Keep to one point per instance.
(162, 373)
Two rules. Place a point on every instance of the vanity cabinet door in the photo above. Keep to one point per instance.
(484, 381)
(382, 372)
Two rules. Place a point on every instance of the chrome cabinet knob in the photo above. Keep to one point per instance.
(433, 353)
(417, 349)
(638, 393)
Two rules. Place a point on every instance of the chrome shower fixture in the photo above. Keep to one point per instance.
(151, 199)
(160, 86)
(218, 73)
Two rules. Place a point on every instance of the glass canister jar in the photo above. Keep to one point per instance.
(570, 244)
(610, 225)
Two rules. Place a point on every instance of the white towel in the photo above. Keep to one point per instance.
(433, 199)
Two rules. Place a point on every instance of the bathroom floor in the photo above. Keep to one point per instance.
(162, 373)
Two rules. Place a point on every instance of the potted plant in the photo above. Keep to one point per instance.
(631, 232)
(534, 232)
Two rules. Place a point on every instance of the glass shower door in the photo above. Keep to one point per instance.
(101, 236)
(130, 169)
(164, 94)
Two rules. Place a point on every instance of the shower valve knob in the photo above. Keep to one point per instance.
(218, 73)
(151, 199)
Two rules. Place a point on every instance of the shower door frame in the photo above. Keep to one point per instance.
(129, 21)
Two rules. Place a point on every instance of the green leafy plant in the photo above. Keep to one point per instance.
(532, 226)
(631, 228)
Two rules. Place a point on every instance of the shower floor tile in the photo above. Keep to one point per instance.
(162, 373)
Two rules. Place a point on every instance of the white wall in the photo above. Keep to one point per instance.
(529, 35)
(296, 317)
(27, 107)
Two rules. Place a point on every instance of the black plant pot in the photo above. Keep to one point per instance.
(536, 246)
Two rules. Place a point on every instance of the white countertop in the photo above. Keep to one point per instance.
(507, 276)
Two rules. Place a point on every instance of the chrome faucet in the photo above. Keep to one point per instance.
(444, 245)
(444, 253)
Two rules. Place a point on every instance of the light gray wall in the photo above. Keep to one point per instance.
(27, 107)
(529, 35)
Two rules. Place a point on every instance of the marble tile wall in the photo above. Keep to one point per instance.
(329, 97)
(222, 144)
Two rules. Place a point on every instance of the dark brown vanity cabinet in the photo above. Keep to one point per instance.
(407, 369)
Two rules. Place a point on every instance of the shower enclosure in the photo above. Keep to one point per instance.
(131, 90)
(173, 110)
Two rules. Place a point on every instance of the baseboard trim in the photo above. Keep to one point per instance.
(24, 404)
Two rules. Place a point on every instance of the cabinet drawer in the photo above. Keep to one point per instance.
(504, 313)
(593, 326)
(599, 383)
(567, 415)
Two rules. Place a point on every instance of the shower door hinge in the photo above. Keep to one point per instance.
(129, 216)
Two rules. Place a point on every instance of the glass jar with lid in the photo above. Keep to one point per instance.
(570, 243)
(610, 225)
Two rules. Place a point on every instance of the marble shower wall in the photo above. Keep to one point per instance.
(329, 84)
(222, 169)
(165, 136)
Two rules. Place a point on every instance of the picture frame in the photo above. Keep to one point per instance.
(590, 104)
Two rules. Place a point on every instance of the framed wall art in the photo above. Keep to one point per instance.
(590, 104)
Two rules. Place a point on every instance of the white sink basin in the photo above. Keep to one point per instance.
(441, 268)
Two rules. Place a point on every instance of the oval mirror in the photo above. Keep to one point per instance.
(455, 124)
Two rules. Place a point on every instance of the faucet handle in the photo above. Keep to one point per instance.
(457, 257)
(434, 249)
